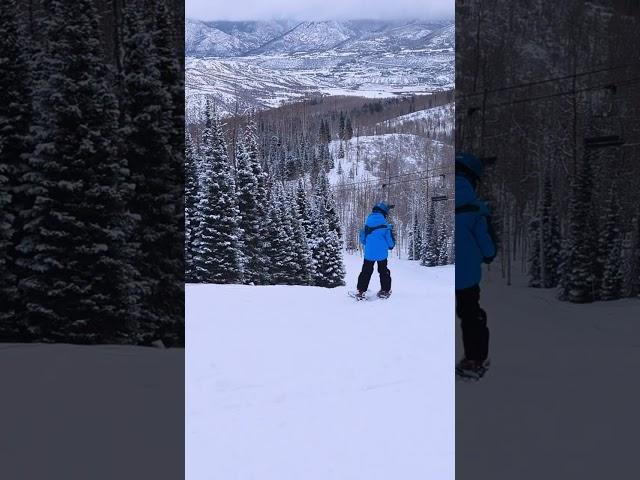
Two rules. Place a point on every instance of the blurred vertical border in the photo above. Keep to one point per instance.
(548, 96)
(91, 238)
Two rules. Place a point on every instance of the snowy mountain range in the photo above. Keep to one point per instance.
(264, 63)
(236, 39)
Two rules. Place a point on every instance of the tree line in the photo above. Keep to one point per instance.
(246, 225)
(91, 167)
(560, 138)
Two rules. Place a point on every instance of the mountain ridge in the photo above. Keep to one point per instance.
(242, 38)
(262, 64)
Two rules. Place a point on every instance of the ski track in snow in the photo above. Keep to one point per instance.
(290, 383)
(556, 371)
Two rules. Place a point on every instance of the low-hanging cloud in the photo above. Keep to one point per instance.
(318, 9)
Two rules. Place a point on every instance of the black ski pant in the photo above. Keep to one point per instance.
(367, 271)
(473, 322)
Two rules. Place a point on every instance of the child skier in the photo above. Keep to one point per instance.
(377, 238)
(474, 245)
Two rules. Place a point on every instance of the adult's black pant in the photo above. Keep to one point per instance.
(473, 322)
(367, 271)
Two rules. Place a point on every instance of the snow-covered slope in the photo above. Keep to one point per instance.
(437, 120)
(290, 383)
(308, 37)
(91, 412)
(365, 157)
(246, 84)
(228, 39)
(562, 388)
(363, 58)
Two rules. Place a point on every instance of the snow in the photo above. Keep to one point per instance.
(562, 388)
(443, 114)
(91, 412)
(412, 153)
(264, 64)
(288, 383)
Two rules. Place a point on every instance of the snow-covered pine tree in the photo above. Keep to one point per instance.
(578, 276)
(631, 260)
(551, 238)
(340, 151)
(325, 133)
(292, 166)
(415, 239)
(326, 250)
(304, 209)
(250, 142)
(533, 259)
(429, 254)
(443, 245)
(147, 131)
(282, 258)
(251, 217)
(168, 51)
(316, 167)
(544, 233)
(190, 206)
(348, 130)
(218, 255)
(326, 204)
(325, 158)
(300, 244)
(15, 117)
(334, 271)
(352, 239)
(610, 251)
(77, 285)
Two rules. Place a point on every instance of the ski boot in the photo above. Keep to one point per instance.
(384, 294)
(472, 369)
(360, 295)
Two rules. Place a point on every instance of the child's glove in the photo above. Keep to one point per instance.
(488, 260)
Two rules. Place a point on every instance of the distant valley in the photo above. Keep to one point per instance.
(243, 65)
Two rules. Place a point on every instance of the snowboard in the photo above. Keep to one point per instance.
(469, 375)
(352, 294)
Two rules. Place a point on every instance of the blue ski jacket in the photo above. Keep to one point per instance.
(377, 237)
(474, 241)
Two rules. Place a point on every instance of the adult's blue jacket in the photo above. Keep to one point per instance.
(378, 241)
(474, 243)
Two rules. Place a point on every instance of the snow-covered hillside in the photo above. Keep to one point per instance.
(91, 412)
(289, 383)
(365, 157)
(437, 120)
(232, 39)
(370, 59)
(562, 388)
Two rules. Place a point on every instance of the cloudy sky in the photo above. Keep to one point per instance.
(318, 9)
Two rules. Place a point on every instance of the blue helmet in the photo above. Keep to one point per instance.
(383, 208)
(469, 164)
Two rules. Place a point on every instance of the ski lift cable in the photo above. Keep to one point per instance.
(633, 81)
(419, 172)
(546, 80)
(384, 184)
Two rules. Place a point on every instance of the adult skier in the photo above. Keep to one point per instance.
(377, 238)
(474, 245)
